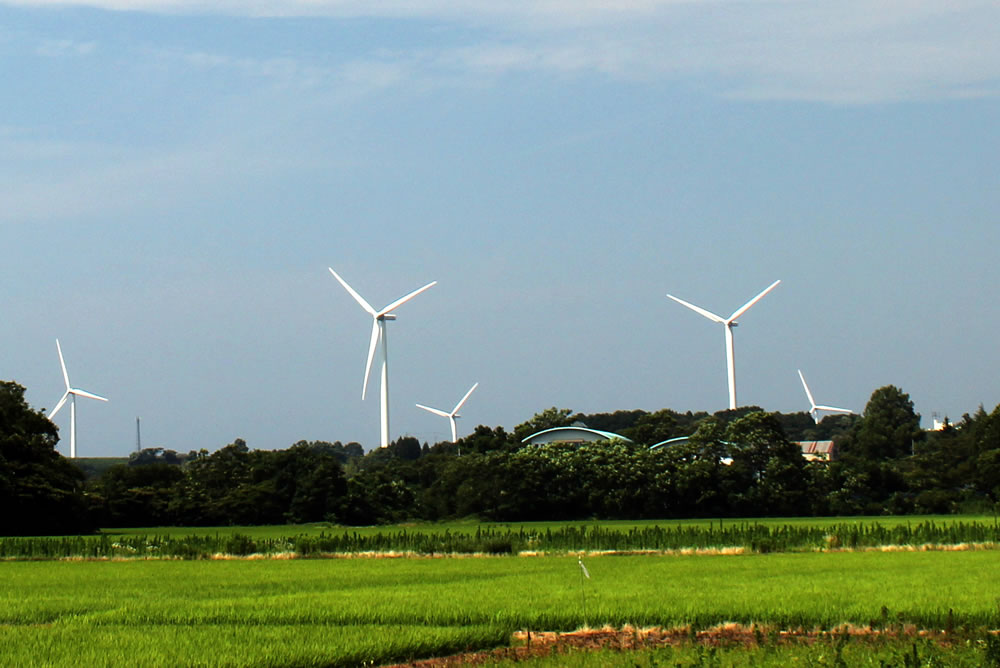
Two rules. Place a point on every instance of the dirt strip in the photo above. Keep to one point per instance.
(536, 644)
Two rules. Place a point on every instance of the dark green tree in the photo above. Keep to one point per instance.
(701, 471)
(547, 419)
(870, 476)
(215, 490)
(406, 448)
(982, 433)
(616, 422)
(41, 492)
(652, 428)
(155, 456)
(137, 495)
(482, 439)
(889, 428)
(767, 468)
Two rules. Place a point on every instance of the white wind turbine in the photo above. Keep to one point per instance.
(815, 409)
(453, 415)
(71, 393)
(729, 322)
(379, 319)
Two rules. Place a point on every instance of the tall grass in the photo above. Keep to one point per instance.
(747, 536)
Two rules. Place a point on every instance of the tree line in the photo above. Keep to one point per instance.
(736, 463)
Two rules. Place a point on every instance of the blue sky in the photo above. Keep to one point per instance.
(176, 177)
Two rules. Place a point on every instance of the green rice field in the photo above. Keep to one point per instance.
(371, 611)
(750, 536)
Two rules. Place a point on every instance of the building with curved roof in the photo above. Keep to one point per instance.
(572, 434)
(670, 441)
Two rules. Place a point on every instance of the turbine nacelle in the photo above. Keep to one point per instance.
(454, 414)
(730, 323)
(815, 408)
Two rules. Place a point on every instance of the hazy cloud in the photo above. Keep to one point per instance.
(44, 180)
(849, 51)
(64, 47)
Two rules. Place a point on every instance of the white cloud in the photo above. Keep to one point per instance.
(846, 51)
(283, 68)
(56, 48)
(78, 181)
(44, 180)
(561, 10)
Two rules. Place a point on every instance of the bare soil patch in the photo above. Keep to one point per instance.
(528, 644)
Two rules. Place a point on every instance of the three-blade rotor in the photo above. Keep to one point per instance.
(454, 412)
(815, 408)
(729, 324)
(70, 390)
(731, 320)
(378, 320)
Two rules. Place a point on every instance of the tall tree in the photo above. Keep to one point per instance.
(771, 467)
(889, 428)
(547, 419)
(41, 492)
(652, 428)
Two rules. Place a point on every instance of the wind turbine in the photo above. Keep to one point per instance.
(453, 415)
(71, 393)
(729, 322)
(379, 319)
(814, 410)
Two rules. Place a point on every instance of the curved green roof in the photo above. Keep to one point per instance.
(604, 435)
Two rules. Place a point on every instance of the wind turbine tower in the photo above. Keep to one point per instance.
(814, 409)
(71, 393)
(379, 318)
(453, 415)
(729, 323)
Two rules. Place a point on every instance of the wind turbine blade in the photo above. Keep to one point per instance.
(62, 401)
(458, 406)
(371, 355)
(806, 387)
(746, 307)
(89, 395)
(436, 411)
(834, 409)
(62, 364)
(358, 298)
(698, 309)
(402, 300)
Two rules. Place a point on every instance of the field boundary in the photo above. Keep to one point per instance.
(734, 551)
(538, 644)
(734, 539)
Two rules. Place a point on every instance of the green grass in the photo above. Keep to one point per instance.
(235, 645)
(345, 611)
(466, 538)
(470, 526)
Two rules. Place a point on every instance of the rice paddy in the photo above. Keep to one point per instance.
(303, 612)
